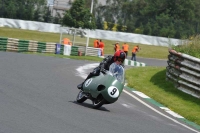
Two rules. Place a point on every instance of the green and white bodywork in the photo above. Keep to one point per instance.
(106, 85)
(104, 88)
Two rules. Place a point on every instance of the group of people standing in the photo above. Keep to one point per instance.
(125, 48)
(99, 44)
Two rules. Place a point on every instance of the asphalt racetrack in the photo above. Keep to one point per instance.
(38, 95)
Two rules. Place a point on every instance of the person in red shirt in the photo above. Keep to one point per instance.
(101, 45)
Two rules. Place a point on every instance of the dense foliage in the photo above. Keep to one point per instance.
(79, 16)
(165, 18)
(35, 10)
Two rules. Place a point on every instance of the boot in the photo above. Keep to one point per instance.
(80, 86)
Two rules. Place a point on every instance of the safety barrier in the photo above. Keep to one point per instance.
(17, 45)
(133, 63)
(103, 34)
(184, 71)
(81, 50)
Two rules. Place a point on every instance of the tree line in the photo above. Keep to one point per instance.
(165, 18)
(35, 10)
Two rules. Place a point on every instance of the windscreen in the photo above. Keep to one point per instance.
(117, 71)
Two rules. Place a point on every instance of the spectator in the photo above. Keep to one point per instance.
(96, 43)
(134, 51)
(125, 48)
(116, 47)
(66, 41)
(101, 45)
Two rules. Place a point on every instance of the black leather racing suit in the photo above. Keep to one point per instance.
(104, 64)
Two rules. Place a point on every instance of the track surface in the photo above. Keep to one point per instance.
(37, 95)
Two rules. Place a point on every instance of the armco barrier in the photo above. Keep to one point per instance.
(16, 45)
(184, 70)
(74, 51)
(3, 44)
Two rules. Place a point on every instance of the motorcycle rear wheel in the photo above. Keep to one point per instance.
(97, 103)
(81, 97)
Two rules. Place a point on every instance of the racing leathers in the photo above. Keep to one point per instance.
(104, 64)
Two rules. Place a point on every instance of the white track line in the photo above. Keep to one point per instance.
(81, 72)
(159, 112)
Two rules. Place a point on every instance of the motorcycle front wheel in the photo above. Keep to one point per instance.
(81, 97)
(97, 103)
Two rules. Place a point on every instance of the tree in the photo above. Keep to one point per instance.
(20, 9)
(147, 29)
(37, 15)
(57, 18)
(12, 10)
(99, 22)
(79, 16)
(47, 15)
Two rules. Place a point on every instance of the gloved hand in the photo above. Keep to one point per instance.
(101, 66)
(103, 70)
(96, 71)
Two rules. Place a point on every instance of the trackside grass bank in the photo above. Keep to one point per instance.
(152, 82)
(148, 51)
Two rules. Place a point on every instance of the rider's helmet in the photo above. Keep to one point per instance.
(120, 56)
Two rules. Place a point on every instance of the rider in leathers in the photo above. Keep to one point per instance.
(105, 64)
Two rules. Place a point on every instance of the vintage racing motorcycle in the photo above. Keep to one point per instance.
(103, 89)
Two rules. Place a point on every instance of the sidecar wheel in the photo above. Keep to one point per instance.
(97, 103)
(81, 97)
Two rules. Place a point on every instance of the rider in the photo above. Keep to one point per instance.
(118, 57)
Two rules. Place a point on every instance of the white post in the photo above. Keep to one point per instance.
(91, 9)
(61, 32)
(74, 36)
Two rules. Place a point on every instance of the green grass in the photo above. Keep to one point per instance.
(152, 81)
(192, 48)
(147, 51)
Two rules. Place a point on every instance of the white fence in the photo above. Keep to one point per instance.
(101, 34)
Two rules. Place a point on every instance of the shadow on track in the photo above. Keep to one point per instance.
(89, 106)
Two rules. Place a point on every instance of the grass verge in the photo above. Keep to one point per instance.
(151, 81)
(191, 48)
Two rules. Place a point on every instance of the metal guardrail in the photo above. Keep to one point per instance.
(184, 70)
(91, 51)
